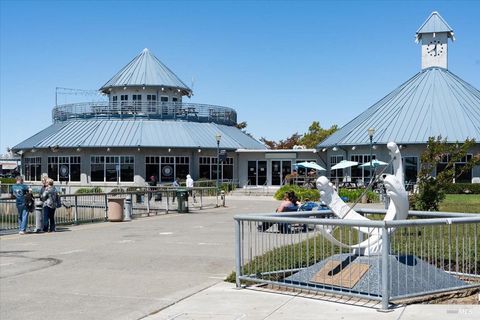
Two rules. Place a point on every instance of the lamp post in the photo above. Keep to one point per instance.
(371, 132)
(218, 137)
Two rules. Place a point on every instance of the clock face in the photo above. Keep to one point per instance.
(435, 48)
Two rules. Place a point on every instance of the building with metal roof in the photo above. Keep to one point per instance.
(434, 102)
(144, 129)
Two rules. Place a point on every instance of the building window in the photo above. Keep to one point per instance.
(466, 177)
(112, 168)
(137, 102)
(360, 173)
(336, 174)
(167, 168)
(33, 168)
(164, 99)
(114, 102)
(151, 103)
(174, 99)
(208, 168)
(410, 164)
(64, 168)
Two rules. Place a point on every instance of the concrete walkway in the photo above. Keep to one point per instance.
(223, 302)
(118, 270)
(171, 266)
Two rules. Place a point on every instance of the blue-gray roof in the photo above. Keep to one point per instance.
(139, 132)
(146, 70)
(433, 102)
(434, 24)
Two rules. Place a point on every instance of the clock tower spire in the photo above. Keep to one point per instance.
(433, 35)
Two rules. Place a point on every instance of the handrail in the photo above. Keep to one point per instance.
(146, 109)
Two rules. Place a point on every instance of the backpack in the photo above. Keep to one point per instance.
(58, 201)
(29, 202)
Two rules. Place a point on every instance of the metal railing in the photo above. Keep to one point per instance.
(155, 110)
(87, 208)
(430, 253)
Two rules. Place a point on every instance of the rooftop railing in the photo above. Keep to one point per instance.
(146, 109)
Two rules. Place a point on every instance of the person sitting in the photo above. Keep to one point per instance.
(289, 203)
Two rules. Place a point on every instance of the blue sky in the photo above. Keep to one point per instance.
(280, 64)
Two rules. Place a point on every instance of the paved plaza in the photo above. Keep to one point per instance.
(118, 270)
(162, 267)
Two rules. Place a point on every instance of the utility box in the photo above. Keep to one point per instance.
(182, 200)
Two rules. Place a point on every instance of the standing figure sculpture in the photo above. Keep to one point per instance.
(397, 208)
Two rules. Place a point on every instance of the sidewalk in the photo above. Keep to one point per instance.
(224, 302)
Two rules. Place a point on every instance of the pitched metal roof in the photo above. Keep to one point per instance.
(433, 102)
(146, 70)
(434, 24)
(139, 133)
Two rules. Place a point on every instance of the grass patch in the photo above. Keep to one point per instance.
(461, 203)
(437, 245)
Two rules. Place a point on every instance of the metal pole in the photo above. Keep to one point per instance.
(218, 163)
(237, 253)
(75, 214)
(38, 216)
(385, 269)
(106, 207)
(371, 158)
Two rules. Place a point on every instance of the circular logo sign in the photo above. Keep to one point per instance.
(167, 171)
(64, 171)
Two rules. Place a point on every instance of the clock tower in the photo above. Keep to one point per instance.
(433, 35)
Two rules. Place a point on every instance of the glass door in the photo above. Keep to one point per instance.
(276, 173)
(286, 169)
(252, 173)
(262, 173)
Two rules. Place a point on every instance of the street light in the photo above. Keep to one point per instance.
(218, 137)
(371, 132)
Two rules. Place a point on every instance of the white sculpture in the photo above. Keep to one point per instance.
(397, 208)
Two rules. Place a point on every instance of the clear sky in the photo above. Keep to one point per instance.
(280, 64)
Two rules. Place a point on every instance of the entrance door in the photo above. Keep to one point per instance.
(257, 172)
(276, 173)
(252, 172)
(262, 173)
(280, 169)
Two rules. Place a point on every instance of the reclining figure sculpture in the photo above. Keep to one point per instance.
(397, 208)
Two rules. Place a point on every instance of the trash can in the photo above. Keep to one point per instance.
(182, 200)
(115, 209)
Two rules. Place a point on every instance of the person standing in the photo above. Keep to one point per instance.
(152, 182)
(189, 184)
(42, 190)
(18, 192)
(51, 201)
(175, 185)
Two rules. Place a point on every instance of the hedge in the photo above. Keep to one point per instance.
(314, 195)
(461, 188)
(89, 190)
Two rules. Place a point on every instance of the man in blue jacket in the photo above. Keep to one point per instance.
(18, 191)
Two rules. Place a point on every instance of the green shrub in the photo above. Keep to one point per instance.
(354, 194)
(461, 188)
(314, 195)
(117, 190)
(8, 180)
(301, 193)
(89, 190)
(227, 187)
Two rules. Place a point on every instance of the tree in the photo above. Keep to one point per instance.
(316, 134)
(310, 139)
(241, 125)
(432, 189)
(288, 143)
